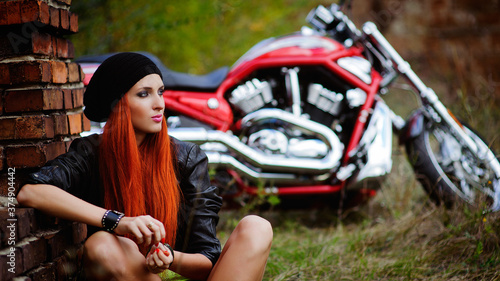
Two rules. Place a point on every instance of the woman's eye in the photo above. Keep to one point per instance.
(142, 94)
(160, 92)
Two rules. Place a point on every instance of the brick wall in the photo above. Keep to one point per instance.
(41, 99)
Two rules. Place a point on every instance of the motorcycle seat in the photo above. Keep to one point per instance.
(173, 80)
(184, 81)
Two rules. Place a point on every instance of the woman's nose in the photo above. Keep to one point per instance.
(159, 103)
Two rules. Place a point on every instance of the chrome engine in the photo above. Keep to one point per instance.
(286, 143)
(270, 154)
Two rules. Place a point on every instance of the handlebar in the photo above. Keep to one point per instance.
(334, 23)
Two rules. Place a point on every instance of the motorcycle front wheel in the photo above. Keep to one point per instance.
(449, 172)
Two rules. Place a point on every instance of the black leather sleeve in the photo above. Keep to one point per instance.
(200, 205)
(73, 171)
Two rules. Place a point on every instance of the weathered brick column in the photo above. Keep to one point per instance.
(41, 99)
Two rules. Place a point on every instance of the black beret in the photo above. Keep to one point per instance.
(112, 80)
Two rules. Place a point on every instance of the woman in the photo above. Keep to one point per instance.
(140, 191)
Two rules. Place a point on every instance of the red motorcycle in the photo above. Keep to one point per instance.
(303, 114)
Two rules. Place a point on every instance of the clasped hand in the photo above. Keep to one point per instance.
(148, 231)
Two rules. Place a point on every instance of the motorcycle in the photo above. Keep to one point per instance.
(303, 114)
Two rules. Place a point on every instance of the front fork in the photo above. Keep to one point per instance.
(437, 111)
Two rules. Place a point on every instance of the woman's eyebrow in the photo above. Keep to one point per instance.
(149, 87)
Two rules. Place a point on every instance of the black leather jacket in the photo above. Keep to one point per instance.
(77, 172)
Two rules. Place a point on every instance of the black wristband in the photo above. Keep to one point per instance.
(111, 219)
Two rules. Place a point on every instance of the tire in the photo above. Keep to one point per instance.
(449, 172)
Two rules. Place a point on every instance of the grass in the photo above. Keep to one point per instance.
(398, 235)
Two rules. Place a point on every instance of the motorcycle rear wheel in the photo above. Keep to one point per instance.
(449, 172)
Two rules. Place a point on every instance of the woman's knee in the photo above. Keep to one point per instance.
(100, 245)
(104, 254)
(257, 229)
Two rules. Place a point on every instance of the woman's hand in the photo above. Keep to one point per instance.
(159, 258)
(145, 229)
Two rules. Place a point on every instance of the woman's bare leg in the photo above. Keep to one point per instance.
(245, 254)
(109, 257)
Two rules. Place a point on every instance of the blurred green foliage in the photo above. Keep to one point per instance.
(193, 36)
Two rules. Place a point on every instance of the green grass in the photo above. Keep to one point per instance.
(398, 235)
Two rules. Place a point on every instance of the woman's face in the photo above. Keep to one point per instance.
(146, 104)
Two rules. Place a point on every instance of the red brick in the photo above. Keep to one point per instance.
(73, 72)
(24, 100)
(3, 13)
(73, 22)
(44, 13)
(13, 12)
(2, 157)
(34, 252)
(62, 47)
(31, 156)
(25, 42)
(34, 127)
(31, 72)
(25, 222)
(7, 127)
(75, 123)
(86, 123)
(1, 103)
(54, 17)
(77, 97)
(60, 124)
(59, 72)
(54, 46)
(68, 99)
(79, 232)
(41, 43)
(59, 241)
(25, 156)
(26, 72)
(71, 50)
(4, 73)
(32, 11)
(26, 127)
(64, 19)
(53, 99)
(55, 149)
(33, 100)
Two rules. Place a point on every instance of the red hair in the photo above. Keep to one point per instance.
(138, 180)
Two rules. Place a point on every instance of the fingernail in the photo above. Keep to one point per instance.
(157, 250)
(157, 244)
(163, 240)
(167, 253)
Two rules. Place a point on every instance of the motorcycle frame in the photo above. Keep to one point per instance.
(214, 109)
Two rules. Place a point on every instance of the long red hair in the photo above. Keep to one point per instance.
(138, 180)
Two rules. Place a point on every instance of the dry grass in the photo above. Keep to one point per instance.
(398, 235)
